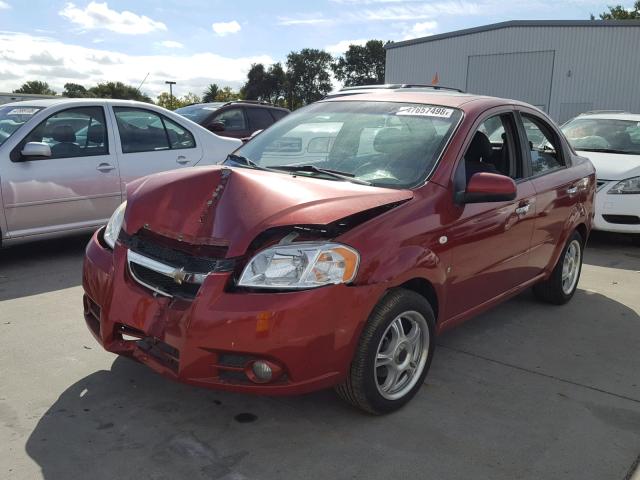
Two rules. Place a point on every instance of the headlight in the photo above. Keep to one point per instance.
(301, 265)
(630, 185)
(112, 230)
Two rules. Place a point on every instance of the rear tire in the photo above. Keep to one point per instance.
(563, 282)
(393, 354)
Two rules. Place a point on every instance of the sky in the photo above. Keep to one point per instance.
(197, 42)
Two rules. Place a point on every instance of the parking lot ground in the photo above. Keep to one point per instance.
(526, 391)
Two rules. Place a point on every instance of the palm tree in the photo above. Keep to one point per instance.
(210, 94)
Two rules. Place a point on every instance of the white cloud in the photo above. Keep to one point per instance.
(170, 44)
(26, 57)
(226, 28)
(408, 12)
(342, 46)
(420, 29)
(305, 19)
(99, 16)
(4, 5)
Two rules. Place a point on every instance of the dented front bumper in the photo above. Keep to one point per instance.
(211, 339)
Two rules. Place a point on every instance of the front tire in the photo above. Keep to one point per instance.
(563, 282)
(393, 354)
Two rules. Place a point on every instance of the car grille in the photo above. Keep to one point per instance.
(168, 271)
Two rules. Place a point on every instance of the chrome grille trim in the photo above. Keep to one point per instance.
(178, 275)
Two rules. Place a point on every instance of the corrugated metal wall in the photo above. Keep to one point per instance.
(592, 67)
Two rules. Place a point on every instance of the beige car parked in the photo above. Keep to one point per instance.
(64, 163)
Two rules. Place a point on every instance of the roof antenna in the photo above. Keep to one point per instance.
(143, 80)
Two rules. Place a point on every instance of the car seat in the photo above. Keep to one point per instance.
(66, 146)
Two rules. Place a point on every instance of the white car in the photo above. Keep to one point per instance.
(611, 140)
(64, 163)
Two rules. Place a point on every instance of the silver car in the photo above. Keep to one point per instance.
(64, 163)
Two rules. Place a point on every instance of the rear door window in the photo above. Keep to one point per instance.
(543, 145)
(259, 118)
(76, 132)
(279, 114)
(146, 131)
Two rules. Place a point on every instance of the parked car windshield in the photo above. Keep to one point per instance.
(12, 118)
(197, 113)
(383, 143)
(604, 134)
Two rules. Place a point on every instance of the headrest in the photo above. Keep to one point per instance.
(95, 134)
(64, 134)
(479, 149)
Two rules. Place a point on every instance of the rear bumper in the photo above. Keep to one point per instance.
(210, 341)
(617, 213)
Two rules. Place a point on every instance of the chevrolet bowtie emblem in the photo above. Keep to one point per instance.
(179, 276)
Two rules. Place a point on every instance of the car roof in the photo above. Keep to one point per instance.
(445, 98)
(634, 117)
(49, 102)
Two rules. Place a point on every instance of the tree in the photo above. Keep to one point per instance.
(35, 87)
(75, 90)
(210, 94)
(361, 64)
(165, 101)
(308, 77)
(226, 95)
(120, 91)
(265, 84)
(618, 12)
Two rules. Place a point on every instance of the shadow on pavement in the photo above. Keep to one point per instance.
(41, 267)
(520, 392)
(612, 250)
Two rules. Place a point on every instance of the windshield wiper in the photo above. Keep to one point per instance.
(347, 177)
(607, 150)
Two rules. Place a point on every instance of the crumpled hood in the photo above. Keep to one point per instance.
(614, 166)
(228, 206)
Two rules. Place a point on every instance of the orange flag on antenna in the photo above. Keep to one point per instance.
(435, 80)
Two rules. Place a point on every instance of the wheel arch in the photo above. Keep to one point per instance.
(425, 288)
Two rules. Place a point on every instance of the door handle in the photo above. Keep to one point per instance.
(182, 160)
(572, 190)
(523, 209)
(105, 167)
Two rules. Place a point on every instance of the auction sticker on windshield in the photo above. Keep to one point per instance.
(23, 111)
(425, 111)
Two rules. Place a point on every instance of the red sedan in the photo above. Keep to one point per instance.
(330, 250)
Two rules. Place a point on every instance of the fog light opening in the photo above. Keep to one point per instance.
(262, 371)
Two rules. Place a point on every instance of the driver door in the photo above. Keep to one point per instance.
(490, 242)
(77, 187)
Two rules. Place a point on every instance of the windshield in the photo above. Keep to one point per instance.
(383, 143)
(198, 113)
(12, 118)
(604, 134)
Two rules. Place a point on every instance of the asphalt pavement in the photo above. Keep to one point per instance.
(525, 391)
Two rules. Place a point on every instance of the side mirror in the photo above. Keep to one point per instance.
(216, 127)
(489, 187)
(36, 149)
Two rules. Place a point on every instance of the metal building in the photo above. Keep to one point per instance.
(563, 67)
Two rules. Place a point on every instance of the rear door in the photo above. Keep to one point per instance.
(490, 241)
(259, 118)
(77, 187)
(557, 193)
(149, 142)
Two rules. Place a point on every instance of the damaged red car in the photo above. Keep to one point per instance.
(332, 249)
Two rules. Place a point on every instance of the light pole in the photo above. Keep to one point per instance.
(171, 84)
